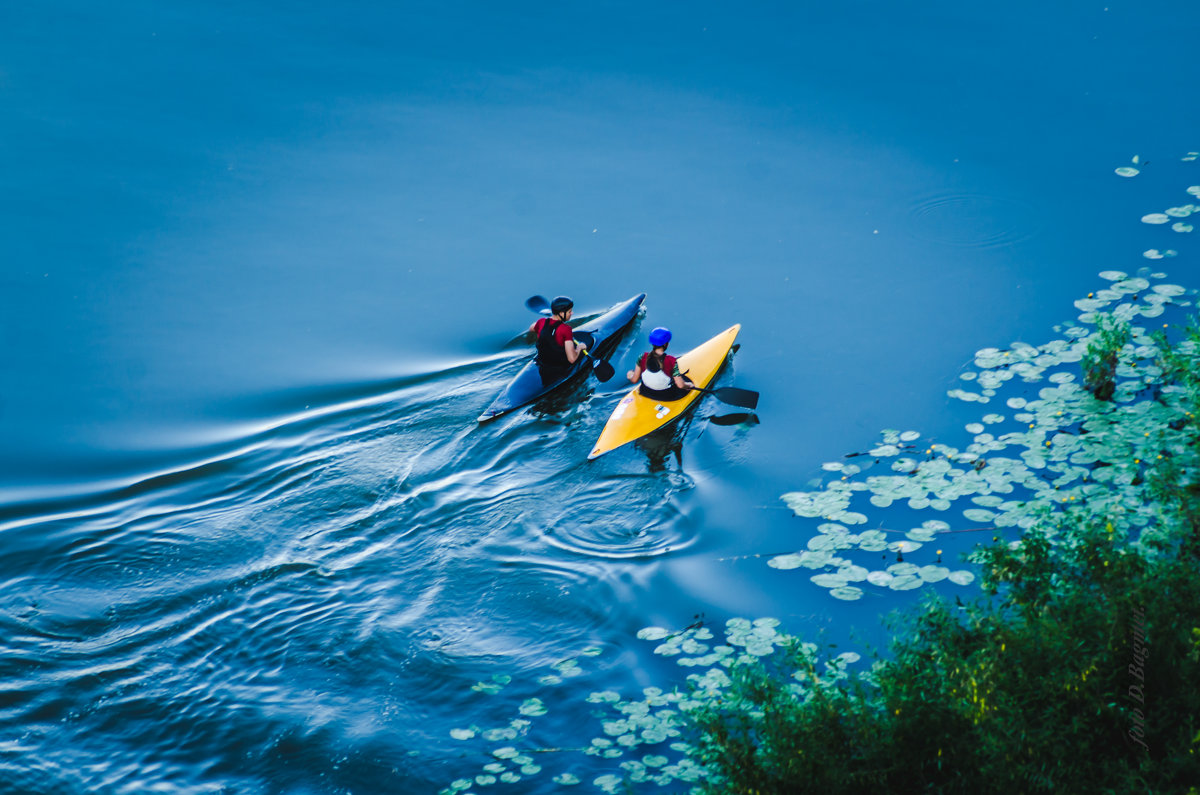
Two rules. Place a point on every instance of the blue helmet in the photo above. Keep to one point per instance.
(660, 337)
(561, 304)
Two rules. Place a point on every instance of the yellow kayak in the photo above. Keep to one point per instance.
(637, 415)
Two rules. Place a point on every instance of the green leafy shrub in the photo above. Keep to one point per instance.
(1103, 355)
(1079, 670)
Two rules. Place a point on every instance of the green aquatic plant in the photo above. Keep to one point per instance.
(1026, 690)
(1103, 354)
(1045, 685)
(1018, 469)
(1090, 483)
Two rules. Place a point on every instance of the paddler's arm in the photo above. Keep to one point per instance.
(680, 381)
(634, 374)
(573, 350)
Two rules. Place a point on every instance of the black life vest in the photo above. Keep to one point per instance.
(549, 353)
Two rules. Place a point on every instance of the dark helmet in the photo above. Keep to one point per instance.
(561, 304)
(660, 337)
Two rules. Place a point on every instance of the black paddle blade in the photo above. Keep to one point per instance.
(536, 303)
(740, 418)
(603, 370)
(745, 398)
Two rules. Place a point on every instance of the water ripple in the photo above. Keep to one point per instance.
(326, 586)
(972, 220)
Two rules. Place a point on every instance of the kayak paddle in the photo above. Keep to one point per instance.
(732, 395)
(536, 303)
(602, 369)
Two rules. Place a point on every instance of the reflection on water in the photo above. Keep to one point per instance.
(660, 445)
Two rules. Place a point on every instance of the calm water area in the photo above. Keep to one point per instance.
(263, 264)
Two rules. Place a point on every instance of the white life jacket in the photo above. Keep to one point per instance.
(659, 380)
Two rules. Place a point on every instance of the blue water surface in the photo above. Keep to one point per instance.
(262, 265)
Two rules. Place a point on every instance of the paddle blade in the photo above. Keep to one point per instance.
(603, 370)
(745, 398)
(536, 303)
(740, 418)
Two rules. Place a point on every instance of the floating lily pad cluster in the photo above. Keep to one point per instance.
(508, 764)
(1045, 445)
(1053, 446)
(1177, 218)
(1129, 171)
(655, 720)
(1180, 212)
(642, 737)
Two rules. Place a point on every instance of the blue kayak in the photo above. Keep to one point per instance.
(601, 335)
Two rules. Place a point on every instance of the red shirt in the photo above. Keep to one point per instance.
(561, 334)
(670, 365)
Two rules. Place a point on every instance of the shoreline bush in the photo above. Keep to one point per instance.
(1078, 671)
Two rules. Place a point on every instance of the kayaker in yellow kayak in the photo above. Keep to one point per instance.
(657, 373)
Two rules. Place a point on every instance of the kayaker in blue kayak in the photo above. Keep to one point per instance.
(557, 348)
(656, 373)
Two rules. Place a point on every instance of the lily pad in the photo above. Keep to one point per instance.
(872, 541)
(532, 707)
(961, 577)
(847, 593)
(792, 561)
(652, 633)
(934, 573)
(853, 573)
(905, 583)
(920, 534)
(879, 578)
